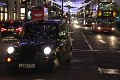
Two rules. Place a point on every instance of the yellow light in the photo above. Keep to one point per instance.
(99, 13)
(9, 59)
(114, 14)
(99, 36)
(112, 38)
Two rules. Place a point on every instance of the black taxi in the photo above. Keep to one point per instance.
(43, 44)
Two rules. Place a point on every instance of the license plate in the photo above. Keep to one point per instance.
(10, 29)
(27, 65)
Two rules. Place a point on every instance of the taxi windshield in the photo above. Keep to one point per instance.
(41, 31)
(46, 31)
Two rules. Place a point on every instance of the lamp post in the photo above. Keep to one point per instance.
(68, 5)
(26, 11)
(62, 11)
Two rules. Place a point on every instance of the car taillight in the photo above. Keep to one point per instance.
(19, 29)
(3, 29)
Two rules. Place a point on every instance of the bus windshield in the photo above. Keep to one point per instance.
(105, 21)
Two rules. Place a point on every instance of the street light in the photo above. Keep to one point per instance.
(62, 10)
(26, 10)
(68, 5)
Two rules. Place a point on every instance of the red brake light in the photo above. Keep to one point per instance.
(3, 29)
(19, 29)
(11, 21)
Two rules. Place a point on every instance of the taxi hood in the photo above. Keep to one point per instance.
(36, 42)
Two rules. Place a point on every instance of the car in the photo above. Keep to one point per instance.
(43, 44)
(1, 24)
(11, 28)
(88, 22)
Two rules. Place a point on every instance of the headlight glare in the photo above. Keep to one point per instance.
(99, 28)
(10, 50)
(47, 50)
(113, 29)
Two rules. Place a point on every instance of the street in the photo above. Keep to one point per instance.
(95, 57)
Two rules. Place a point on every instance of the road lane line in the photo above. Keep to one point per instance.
(39, 79)
(83, 35)
(78, 50)
(90, 47)
(87, 41)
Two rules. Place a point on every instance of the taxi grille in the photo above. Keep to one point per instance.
(27, 54)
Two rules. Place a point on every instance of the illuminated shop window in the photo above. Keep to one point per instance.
(2, 8)
(22, 10)
(5, 16)
(5, 9)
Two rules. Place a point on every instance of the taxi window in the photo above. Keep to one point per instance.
(41, 31)
(46, 31)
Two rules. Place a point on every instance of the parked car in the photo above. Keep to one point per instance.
(41, 45)
(1, 25)
(11, 28)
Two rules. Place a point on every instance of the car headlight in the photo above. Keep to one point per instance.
(76, 22)
(10, 50)
(113, 29)
(47, 50)
(99, 28)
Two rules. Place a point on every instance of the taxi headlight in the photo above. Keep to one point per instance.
(10, 50)
(47, 50)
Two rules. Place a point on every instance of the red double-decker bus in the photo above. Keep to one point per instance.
(105, 18)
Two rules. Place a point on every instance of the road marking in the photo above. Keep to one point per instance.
(87, 41)
(90, 47)
(108, 71)
(78, 50)
(72, 40)
(83, 35)
(39, 79)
